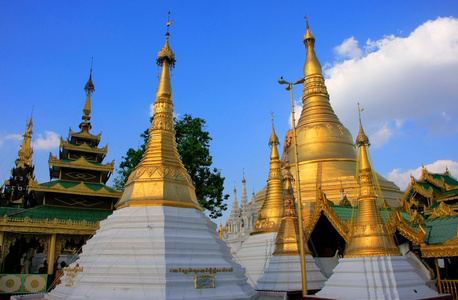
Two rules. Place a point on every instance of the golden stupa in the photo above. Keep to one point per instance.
(326, 151)
(270, 214)
(160, 179)
(369, 235)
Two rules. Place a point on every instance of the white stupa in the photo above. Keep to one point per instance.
(284, 270)
(157, 244)
(373, 267)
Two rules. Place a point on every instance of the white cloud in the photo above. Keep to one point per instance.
(402, 179)
(349, 49)
(382, 136)
(297, 113)
(151, 109)
(14, 137)
(398, 79)
(50, 141)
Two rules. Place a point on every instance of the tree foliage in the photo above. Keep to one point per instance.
(193, 145)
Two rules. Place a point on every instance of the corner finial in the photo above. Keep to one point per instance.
(272, 117)
(169, 22)
(89, 87)
(359, 113)
(362, 138)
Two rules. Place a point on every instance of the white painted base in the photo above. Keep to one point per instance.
(255, 255)
(137, 252)
(284, 274)
(388, 277)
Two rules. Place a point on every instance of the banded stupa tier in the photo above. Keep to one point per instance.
(80, 173)
(158, 244)
(284, 271)
(326, 152)
(372, 267)
(15, 191)
(256, 251)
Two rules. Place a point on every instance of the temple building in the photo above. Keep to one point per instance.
(373, 266)
(44, 225)
(241, 222)
(158, 244)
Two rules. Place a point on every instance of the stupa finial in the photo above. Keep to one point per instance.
(362, 138)
(89, 88)
(312, 65)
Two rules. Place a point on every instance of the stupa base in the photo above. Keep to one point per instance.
(386, 277)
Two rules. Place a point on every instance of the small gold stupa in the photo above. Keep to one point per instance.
(369, 236)
(270, 215)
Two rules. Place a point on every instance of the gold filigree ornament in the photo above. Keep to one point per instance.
(441, 211)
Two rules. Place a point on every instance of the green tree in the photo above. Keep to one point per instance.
(193, 144)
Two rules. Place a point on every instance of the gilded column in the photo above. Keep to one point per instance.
(52, 253)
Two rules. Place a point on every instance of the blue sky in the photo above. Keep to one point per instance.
(399, 59)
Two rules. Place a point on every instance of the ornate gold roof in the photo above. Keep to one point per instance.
(369, 235)
(160, 178)
(269, 216)
(25, 154)
(80, 163)
(84, 135)
(79, 189)
(65, 145)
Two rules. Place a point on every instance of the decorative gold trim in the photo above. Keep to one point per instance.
(322, 205)
(172, 203)
(47, 226)
(397, 222)
(441, 211)
(447, 249)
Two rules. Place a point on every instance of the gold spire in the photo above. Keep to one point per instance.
(89, 88)
(269, 216)
(25, 154)
(287, 242)
(369, 234)
(160, 178)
